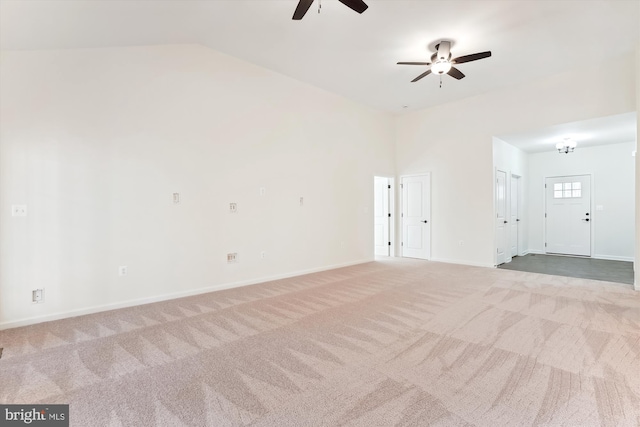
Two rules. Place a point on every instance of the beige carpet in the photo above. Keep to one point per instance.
(390, 343)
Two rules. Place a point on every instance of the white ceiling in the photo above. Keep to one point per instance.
(587, 133)
(343, 52)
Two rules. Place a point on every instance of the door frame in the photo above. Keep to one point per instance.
(591, 209)
(400, 222)
(392, 210)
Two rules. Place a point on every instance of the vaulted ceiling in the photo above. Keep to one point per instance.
(343, 52)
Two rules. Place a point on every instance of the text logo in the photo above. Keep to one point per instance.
(35, 415)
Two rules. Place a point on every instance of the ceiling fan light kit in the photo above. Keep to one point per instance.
(441, 67)
(441, 62)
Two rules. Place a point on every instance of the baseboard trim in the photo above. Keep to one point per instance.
(614, 258)
(534, 252)
(606, 257)
(462, 262)
(164, 297)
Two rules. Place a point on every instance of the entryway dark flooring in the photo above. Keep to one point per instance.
(584, 268)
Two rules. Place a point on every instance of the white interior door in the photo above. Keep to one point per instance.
(416, 216)
(514, 215)
(568, 215)
(381, 220)
(501, 216)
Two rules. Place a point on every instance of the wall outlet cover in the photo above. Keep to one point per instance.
(18, 210)
(37, 296)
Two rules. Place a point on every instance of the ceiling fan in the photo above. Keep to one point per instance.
(442, 63)
(304, 5)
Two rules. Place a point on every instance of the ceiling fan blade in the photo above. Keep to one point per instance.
(444, 50)
(426, 73)
(357, 5)
(301, 9)
(472, 57)
(414, 63)
(455, 73)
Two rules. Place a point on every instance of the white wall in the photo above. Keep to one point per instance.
(637, 259)
(96, 141)
(514, 161)
(454, 143)
(613, 187)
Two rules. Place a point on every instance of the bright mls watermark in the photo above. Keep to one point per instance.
(36, 415)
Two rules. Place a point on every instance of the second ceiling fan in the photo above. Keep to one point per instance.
(304, 5)
(441, 62)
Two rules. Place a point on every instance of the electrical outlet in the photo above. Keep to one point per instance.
(37, 296)
(301, 201)
(176, 198)
(263, 191)
(233, 207)
(461, 243)
(263, 255)
(122, 270)
(18, 210)
(232, 257)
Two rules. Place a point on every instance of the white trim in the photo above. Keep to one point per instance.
(462, 262)
(614, 258)
(174, 295)
(605, 257)
(534, 252)
(414, 175)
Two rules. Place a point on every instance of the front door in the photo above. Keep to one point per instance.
(568, 215)
(416, 217)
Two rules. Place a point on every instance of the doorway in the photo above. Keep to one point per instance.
(382, 208)
(416, 216)
(568, 219)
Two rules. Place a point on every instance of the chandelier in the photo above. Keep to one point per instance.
(566, 146)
